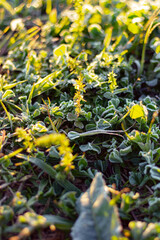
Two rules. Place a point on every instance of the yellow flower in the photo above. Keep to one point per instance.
(64, 149)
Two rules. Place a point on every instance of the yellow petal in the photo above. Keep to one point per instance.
(137, 111)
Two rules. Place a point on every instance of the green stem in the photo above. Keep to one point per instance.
(144, 48)
(148, 33)
(139, 204)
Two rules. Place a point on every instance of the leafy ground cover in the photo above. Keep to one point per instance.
(79, 120)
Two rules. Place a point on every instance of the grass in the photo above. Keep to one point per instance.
(79, 122)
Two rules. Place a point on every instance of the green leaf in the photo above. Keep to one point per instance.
(8, 94)
(103, 124)
(73, 135)
(71, 117)
(79, 124)
(133, 28)
(95, 31)
(148, 156)
(90, 147)
(59, 222)
(53, 153)
(44, 84)
(155, 173)
(98, 218)
(135, 178)
(9, 86)
(114, 157)
(60, 50)
(153, 82)
(125, 151)
(51, 172)
(153, 207)
(9, 65)
(67, 204)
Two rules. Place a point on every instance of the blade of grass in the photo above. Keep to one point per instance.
(59, 222)
(48, 6)
(7, 6)
(46, 83)
(10, 155)
(5, 40)
(151, 19)
(108, 38)
(52, 123)
(12, 105)
(68, 186)
(149, 26)
(30, 95)
(9, 86)
(25, 36)
(7, 113)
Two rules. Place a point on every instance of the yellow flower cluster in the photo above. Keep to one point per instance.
(25, 136)
(112, 81)
(63, 147)
(78, 97)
